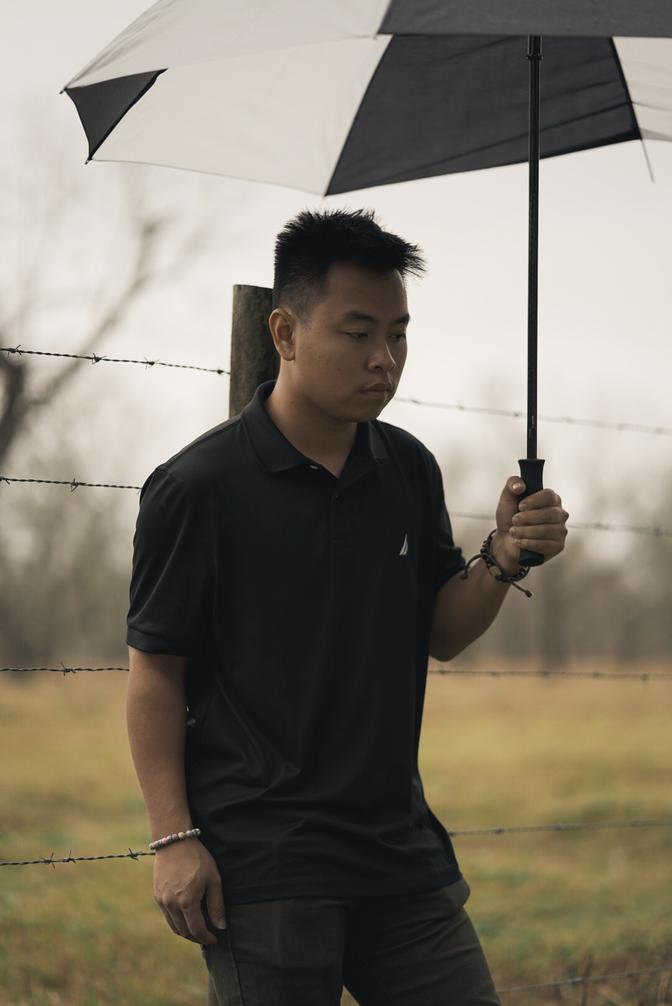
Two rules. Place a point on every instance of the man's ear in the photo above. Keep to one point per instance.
(282, 326)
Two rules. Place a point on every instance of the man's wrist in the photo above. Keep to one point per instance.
(184, 823)
(497, 550)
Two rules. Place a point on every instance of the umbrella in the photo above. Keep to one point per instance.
(372, 92)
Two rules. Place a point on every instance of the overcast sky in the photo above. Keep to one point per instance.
(605, 299)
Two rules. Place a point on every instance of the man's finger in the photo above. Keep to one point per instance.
(520, 534)
(547, 546)
(212, 903)
(545, 515)
(169, 920)
(195, 926)
(543, 497)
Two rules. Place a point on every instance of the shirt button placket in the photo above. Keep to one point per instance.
(335, 522)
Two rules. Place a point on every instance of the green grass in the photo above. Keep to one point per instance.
(493, 752)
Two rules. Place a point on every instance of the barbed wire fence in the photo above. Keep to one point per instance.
(569, 675)
(582, 981)
(496, 830)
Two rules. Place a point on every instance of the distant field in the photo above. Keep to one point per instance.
(494, 751)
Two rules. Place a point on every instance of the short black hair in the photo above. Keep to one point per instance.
(313, 241)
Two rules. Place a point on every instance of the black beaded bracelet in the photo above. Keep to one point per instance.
(492, 564)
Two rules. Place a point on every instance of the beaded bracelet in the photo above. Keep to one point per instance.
(178, 836)
(492, 565)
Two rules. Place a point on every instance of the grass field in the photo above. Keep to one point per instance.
(494, 751)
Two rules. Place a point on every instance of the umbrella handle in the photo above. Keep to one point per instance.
(531, 472)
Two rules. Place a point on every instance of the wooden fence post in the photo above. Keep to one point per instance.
(253, 356)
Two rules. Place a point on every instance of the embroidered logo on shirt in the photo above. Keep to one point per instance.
(404, 547)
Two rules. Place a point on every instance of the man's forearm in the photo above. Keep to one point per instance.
(465, 608)
(156, 721)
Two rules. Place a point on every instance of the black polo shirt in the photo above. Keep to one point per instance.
(304, 604)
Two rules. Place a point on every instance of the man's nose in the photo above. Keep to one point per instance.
(384, 357)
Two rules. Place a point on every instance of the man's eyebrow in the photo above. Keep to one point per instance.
(362, 316)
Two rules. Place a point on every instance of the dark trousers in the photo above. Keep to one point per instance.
(403, 950)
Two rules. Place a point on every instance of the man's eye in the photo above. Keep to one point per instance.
(363, 335)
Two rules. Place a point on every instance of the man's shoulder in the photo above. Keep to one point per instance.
(198, 463)
(409, 448)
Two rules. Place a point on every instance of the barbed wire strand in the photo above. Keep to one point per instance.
(498, 830)
(623, 675)
(94, 358)
(583, 525)
(657, 532)
(62, 669)
(564, 826)
(607, 424)
(584, 979)
(620, 427)
(618, 675)
(73, 483)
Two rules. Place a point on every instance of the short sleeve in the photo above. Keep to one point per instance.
(171, 576)
(448, 557)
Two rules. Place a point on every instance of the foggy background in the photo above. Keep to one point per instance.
(140, 261)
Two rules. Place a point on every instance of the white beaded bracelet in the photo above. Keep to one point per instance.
(178, 836)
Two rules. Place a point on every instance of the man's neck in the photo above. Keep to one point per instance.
(315, 434)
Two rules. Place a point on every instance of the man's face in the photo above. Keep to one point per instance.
(354, 337)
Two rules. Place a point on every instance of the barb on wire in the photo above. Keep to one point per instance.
(584, 826)
(617, 675)
(94, 358)
(583, 979)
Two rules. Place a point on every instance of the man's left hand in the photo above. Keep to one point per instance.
(538, 523)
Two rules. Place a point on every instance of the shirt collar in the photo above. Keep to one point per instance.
(278, 454)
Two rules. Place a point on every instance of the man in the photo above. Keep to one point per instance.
(293, 569)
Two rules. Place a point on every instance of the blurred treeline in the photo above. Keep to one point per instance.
(65, 566)
(585, 605)
(594, 600)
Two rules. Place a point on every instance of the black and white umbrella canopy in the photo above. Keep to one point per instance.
(330, 97)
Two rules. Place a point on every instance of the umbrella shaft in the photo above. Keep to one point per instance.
(534, 58)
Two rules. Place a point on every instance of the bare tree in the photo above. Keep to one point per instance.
(113, 299)
(63, 569)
